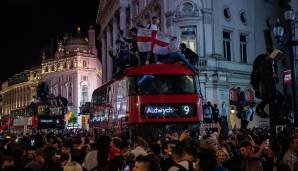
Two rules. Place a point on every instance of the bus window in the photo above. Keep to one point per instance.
(161, 84)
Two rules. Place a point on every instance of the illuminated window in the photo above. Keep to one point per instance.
(84, 98)
(188, 36)
(227, 45)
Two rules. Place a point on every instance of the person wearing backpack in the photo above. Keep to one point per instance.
(180, 163)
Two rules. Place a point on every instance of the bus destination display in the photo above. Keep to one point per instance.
(168, 111)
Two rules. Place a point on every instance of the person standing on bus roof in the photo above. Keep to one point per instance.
(175, 53)
(154, 24)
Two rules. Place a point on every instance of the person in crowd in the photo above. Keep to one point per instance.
(240, 104)
(223, 122)
(37, 163)
(98, 158)
(8, 164)
(215, 113)
(208, 160)
(140, 147)
(207, 110)
(247, 117)
(146, 163)
(175, 54)
(192, 57)
(64, 159)
(252, 164)
(50, 158)
(73, 166)
(166, 160)
(180, 162)
(290, 157)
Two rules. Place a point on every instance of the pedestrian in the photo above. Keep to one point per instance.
(215, 113)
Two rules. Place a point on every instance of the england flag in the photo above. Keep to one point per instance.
(153, 41)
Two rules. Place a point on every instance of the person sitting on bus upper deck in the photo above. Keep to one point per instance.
(189, 54)
(175, 53)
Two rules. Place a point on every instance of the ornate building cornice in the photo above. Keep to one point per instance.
(106, 12)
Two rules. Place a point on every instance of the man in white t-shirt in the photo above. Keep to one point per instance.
(153, 25)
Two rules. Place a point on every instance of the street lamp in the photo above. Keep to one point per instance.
(278, 32)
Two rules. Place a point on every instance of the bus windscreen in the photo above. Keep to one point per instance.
(161, 84)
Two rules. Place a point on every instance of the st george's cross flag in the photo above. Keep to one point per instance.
(153, 41)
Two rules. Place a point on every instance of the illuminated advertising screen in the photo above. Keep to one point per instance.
(168, 111)
(50, 122)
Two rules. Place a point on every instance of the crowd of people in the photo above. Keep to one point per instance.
(241, 150)
(128, 54)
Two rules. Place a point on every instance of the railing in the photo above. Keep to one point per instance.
(215, 63)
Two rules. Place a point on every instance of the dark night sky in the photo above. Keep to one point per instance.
(27, 27)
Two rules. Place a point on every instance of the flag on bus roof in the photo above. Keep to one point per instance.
(153, 41)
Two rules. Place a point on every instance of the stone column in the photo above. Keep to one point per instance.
(114, 36)
(109, 60)
(163, 19)
(103, 57)
(123, 19)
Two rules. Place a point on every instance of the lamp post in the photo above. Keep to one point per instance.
(278, 32)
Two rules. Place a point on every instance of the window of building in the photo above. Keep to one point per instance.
(84, 64)
(71, 65)
(84, 98)
(69, 91)
(243, 48)
(187, 9)
(65, 65)
(227, 45)
(227, 13)
(53, 68)
(84, 78)
(47, 69)
(188, 36)
(243, 17)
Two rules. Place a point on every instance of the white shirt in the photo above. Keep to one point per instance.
(90, 160)
(138, 151)
(152, 27)
(183, 164)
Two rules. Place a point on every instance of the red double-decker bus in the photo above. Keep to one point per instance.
(154, 99)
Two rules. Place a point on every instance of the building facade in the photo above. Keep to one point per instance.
(227, 36)
(20, 90)
(75, 70)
